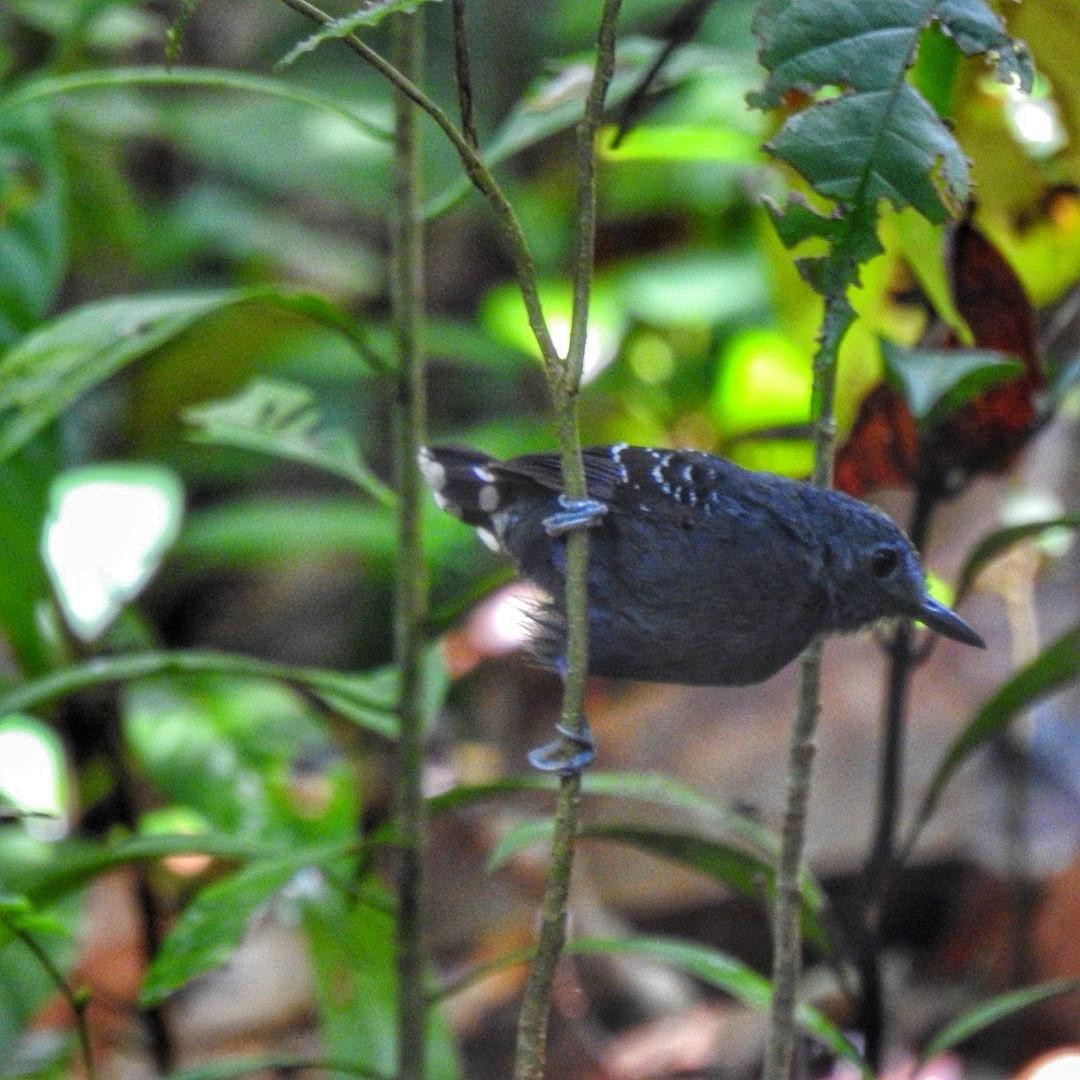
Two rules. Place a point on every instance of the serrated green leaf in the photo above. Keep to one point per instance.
(878, 139)
(728, 974)
(50, 368)
(882, 144)
(1054, 668)
(371, 14)
(283, 420)
(866, 46)
(999, 541)
(937, 382)
(797, 221)
(990, 1012)
(212, 925)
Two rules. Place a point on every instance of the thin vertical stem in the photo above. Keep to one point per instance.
(530, 1058)
(787, 940)
(463, 73)
(411, 597)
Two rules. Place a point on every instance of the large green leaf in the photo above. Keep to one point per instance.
(283, 419)
(879, 138)
(212, 925)
(252, 738)
(727, 974)
(1054, 668)
(32, 221)
(50, 368)
(990, 1012)
(636, 787)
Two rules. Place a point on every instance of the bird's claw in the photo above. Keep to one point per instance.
(571, 753)
(575, 514)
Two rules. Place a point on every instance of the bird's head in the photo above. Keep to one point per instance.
(874, 573)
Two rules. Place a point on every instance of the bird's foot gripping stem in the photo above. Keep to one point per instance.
(571, 753)
(575, 514)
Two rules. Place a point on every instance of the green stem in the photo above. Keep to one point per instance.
(410, 616)
(463, 73)
(787, 941)
(77, 1001)
(536, 1004)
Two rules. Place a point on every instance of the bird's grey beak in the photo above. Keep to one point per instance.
(945, 621)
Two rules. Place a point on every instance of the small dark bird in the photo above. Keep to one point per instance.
(700, 572)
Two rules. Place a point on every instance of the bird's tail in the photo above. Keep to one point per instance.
(462, 482)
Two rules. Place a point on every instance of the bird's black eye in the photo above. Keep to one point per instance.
(884, 561)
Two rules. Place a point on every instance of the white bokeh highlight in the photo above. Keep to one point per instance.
(106, 533)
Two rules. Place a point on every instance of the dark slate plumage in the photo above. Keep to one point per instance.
(700, 572)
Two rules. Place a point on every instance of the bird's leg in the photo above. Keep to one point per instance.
(572, 752)
(575, 514)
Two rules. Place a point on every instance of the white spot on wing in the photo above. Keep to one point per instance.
(488, 539)
(433, 472)
(488, 498)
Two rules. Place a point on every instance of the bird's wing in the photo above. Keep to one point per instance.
(638, 479)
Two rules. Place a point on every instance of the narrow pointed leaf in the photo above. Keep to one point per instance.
(1054, 668)
(45, 87)
(998, 542)
(727, 974)
(990, 1012)
(367, 703)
